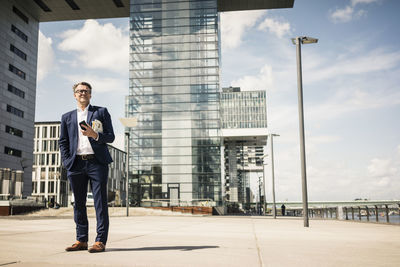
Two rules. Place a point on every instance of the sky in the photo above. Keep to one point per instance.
(351, 87)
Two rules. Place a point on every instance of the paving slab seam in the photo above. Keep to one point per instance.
(9, 263)
(257, 244)
(35, 232)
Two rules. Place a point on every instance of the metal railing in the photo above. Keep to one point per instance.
(378, 213)
(385, 213)
(313, 212)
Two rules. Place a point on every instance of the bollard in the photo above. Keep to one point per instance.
(376, 213)
(399, 209)
(366, 207)
(352, 213)
(387, 213)
(359, 213)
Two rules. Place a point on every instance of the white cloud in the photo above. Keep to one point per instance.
(360, 83)
(346, 102)
(381, 168)
(278, 28)
(350, 12)
(350, 64)
(45, 56)
(235, 24)
(101, 84)
(98, 46)
(323, 139)
(343, 15)
(383, 177)
(262, 81)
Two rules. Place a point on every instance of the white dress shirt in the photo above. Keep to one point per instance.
(84, 146)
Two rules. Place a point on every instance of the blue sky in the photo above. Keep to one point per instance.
(351, 88)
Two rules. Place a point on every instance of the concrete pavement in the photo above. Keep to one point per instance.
(201, 241)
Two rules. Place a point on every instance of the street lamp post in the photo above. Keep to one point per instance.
(298, 41)
(259, 194)
(265, 185)
(273, 173)
(127, 135)
(128, 123)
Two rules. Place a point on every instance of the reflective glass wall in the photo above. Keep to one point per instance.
(245, 109)
(174, 94)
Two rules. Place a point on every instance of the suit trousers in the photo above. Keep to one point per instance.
(93, 172)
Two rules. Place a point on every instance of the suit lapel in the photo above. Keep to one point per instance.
(74, 122)
(90, 115)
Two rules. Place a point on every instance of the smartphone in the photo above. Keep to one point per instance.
(83, 123)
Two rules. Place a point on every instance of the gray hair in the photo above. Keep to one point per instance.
(82, 83)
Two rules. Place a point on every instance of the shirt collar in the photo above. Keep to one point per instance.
(85, 110)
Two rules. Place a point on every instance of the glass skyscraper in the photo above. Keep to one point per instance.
(174, 94)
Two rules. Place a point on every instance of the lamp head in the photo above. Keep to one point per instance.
(304, 40)
(309, 40)
(128, 122)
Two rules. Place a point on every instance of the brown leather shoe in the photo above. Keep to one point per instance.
(97, 247)
(78, 245)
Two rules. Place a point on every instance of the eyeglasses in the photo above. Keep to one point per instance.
(82, 91)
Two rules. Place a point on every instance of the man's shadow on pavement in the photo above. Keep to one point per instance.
(184, 248)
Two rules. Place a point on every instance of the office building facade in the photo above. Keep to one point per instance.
(244, 135)
(49, 178)
(18, 56)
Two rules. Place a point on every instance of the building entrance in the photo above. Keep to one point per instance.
(173, 194)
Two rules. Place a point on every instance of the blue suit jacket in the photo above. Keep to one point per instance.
(69, 136)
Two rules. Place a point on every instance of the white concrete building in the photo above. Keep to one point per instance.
(49, 178)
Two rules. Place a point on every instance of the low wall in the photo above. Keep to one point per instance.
(187, 209)
(20, 206)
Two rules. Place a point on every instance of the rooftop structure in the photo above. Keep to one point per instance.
(56, 10)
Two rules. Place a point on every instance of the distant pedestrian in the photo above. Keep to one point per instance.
(283, 208)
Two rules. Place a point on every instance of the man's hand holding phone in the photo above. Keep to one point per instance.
(83, 123)
(87, 130)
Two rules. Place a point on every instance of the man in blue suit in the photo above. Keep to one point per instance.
(86, 157)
